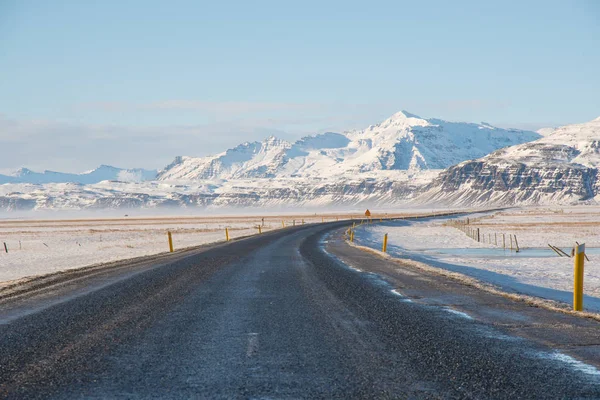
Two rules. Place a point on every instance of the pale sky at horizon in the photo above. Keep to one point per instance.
(136, 83)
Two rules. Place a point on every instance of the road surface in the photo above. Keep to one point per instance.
(290, 314)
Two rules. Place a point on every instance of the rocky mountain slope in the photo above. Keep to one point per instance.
(402, 142)
(562, 167)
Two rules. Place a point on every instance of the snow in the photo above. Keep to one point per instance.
(560, 168)
(38, 247)
(433, 243)
(571, 362)
(102, 173)
(376, 187)
(402, 142)
(570, 144)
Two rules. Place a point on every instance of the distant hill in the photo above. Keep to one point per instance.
(102, 173)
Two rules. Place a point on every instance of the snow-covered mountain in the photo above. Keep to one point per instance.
(561, 167)
(102, 173)
(388, 164)
(402, 142)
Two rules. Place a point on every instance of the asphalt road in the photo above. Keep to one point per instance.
(274, 316)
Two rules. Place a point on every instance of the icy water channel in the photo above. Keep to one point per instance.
(501, 253)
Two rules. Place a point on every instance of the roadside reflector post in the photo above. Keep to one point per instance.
(293, 222)
(578, 284)
(170, 241)
(302, 221)
(504, 241)
(5, 248)
(227, 234)
(384, 249)
(259, 229)
(352, 235)
(283, 224)
(517, 244)
(511, 245)
(478, 236)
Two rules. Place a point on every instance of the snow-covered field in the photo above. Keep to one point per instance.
(543, 274)
(49, 245)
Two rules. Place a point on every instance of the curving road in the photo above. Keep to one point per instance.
(290, 314)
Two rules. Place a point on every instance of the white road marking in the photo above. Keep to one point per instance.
(397, 293)
(456, 312)
(252, 348)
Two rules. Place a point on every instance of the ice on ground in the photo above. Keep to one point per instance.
(432, 241)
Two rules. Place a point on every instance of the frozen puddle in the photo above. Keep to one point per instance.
(502, 253)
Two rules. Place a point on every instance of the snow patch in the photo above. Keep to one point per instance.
(572, 363)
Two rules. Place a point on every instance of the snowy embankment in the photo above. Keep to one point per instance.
(536, 271)
(37, 247)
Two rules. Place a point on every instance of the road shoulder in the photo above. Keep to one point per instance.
(507, 318)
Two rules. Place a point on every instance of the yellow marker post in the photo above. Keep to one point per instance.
(578, 284)
(259, 230)
(170, 241)
(283, 224)
(384, 249)
(226, 234)
(352, 235)
(302, 221)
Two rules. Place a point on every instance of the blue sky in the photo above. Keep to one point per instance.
(135, 83)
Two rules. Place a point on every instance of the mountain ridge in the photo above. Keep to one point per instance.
(561, 167)
(403, 141)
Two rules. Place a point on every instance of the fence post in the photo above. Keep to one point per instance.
(384, 249)
(578, 278)
(170, 241)
(478, 235)
(504, 241)
(511, 246)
